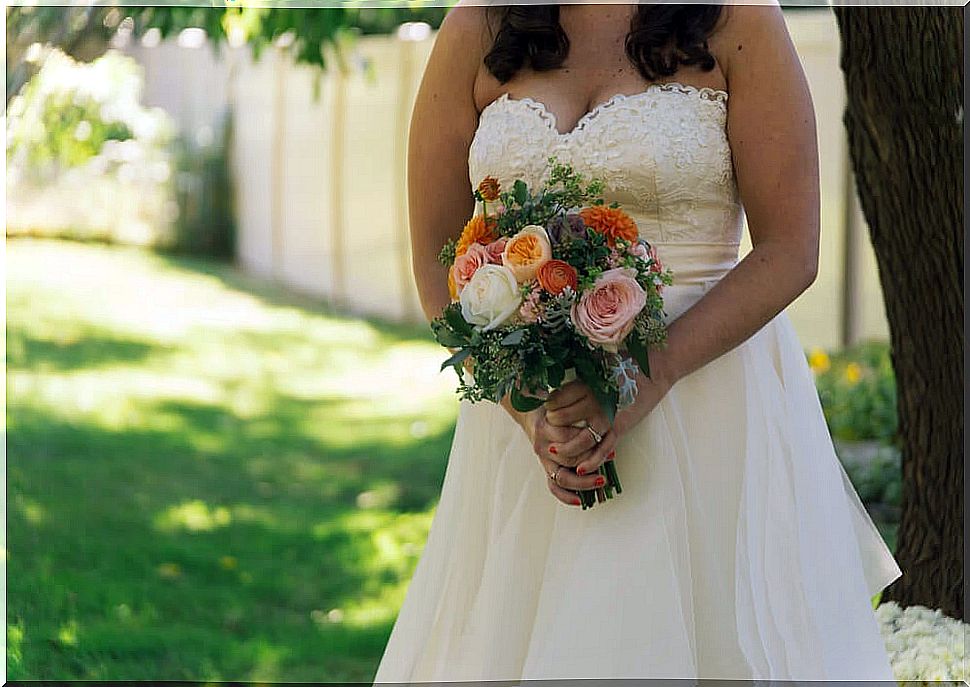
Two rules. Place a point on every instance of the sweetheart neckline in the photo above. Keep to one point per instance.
(712, 94)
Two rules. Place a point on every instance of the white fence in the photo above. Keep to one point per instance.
(320, 181)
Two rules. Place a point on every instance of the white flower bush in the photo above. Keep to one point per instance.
(924, 645)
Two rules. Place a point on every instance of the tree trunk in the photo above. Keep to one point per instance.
(903, 70)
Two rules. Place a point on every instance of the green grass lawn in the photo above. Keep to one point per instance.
(209, 478)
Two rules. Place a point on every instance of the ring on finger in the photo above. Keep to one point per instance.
(597, 437)
(554, 475)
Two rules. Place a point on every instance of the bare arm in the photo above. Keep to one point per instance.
(443, 122)
(771, 128)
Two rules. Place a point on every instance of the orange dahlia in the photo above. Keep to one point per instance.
(613, 223)
(477, 230)
(488, 188)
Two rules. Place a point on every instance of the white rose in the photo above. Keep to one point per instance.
(490, 297)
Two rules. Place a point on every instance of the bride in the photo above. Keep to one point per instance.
(738, 548)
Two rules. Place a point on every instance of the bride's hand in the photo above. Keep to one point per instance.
(545, 436)
(574, 404)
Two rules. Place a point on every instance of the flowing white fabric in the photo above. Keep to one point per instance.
(738, 548)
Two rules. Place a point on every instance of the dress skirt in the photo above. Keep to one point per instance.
(738, 548)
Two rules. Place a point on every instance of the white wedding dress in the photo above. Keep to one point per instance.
(738, 548)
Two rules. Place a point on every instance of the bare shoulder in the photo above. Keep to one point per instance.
(749, 32)
(464, 30)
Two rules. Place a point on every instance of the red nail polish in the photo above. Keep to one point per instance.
(576, 502)
(600, 481)
(553, 450)
(611, 456)
(580, 471)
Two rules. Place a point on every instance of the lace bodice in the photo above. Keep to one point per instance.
(662, 153)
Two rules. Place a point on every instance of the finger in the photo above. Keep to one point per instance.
(564, 495)
(574, 448)
(567, 394)
(549, 437)
(595, 457)
(568, 479)
(566, 416)
(560, 492)
(588, 411)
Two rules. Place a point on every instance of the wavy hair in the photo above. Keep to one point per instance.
(661, 38)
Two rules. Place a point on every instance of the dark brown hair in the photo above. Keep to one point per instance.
(661, 38)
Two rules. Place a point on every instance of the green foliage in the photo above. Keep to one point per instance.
(446, 256)
(85, 32)
(564, 190)
(68, 111)
(878, 480)
(857, 388)
(206, 223)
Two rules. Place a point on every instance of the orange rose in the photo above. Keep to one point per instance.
(477, 230)
(525, 252)
(613, 223)
(488, 189)
(554, 276)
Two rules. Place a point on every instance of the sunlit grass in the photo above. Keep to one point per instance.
(209, 479)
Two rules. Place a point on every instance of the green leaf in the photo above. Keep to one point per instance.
(456, 360)
(522, 403)
(457, 322)
(444, 336)
(520, 192)
(513, 338)
(609, 400)
(556, 372)
(639, 353)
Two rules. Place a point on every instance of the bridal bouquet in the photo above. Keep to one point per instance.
(548, 282)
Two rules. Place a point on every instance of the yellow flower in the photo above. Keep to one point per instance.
(818, 360)
(853, 373)
(228, 562)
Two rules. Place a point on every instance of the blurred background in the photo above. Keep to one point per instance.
(225, 446)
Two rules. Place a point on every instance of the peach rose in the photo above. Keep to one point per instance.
(466, 264)
(555, 275)
(495, 250)
(525, 252)
(605, 313)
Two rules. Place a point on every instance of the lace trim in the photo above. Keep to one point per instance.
(703, 92)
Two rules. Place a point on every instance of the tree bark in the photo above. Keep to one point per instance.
(903, 70)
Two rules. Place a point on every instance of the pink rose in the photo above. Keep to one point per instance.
(465, 265)
(495, 250)
(605, 313)
(639, 250)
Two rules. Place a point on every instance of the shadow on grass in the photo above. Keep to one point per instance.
(85, 349)
(214, 551)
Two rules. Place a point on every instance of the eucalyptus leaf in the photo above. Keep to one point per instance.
(513, 338)
(456, 360)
